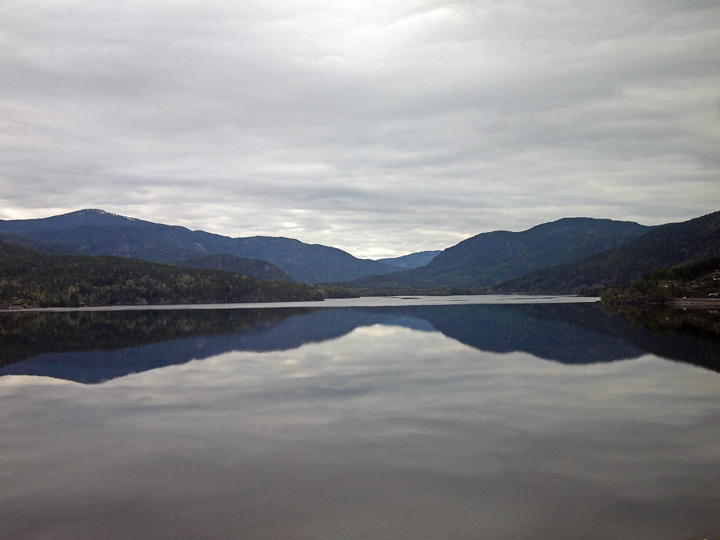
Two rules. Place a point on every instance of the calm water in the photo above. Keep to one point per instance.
(406, 421)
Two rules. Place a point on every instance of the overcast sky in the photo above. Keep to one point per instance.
(380, 127)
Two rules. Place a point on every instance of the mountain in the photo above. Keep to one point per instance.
(34, 244)
(413, 260)
(491, 258)
(698, 282)
(230, 263)
(666, 246)
(29, 278)
(96, 232)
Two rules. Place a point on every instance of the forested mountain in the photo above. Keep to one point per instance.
(563, 256)
(490, 258)
(413, 260)
(665, 247)
(29, 278)
(95, 232)
(663, 286)
(230, 263)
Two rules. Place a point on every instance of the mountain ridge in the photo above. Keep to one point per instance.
(493, 257)
(97, 232)
(563, 256)
(29, 279)
(666, 246)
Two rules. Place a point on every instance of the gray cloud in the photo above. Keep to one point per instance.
(380, 129)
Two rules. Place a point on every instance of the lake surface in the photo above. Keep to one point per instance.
(404, 419)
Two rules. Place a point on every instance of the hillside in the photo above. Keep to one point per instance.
(665, 286)
(95, 232)
(666, 246)
(491, 258)
(412, 260)
(29, 278)
(230, 263)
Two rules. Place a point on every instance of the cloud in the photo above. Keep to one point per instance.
(376, 128)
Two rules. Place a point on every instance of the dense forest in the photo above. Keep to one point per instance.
(29, 278)
(666, 246)
(250, 267)
(662, 285)
(491, 258)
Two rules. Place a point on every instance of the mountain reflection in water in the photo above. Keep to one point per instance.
(427, 422)
(92, 347)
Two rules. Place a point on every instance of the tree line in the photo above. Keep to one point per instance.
(29, 278)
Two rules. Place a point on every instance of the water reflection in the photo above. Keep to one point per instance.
(92, 347)
(386, 433)
(443, 423)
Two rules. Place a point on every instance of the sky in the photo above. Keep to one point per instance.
(378, 127)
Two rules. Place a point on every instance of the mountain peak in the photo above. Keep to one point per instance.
(98, 212)
(94, 231)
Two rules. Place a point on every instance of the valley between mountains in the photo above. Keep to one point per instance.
(93, 257)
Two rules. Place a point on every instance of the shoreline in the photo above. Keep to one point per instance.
(693, 303)
(674, 303)
(363, 301)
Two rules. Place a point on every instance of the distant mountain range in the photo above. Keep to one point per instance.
(96, 232)
(564, 256)
(413, 260)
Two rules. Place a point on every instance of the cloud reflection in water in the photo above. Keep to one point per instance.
(385, 432)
